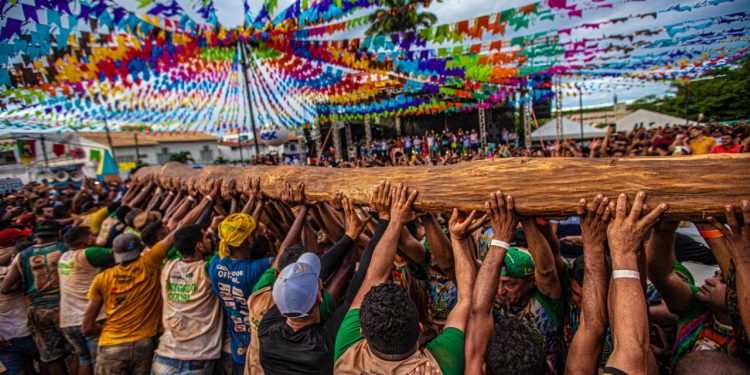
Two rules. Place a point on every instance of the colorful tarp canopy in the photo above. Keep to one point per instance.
(170, 65)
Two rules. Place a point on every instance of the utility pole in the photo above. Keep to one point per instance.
(687, 101)
(239, 145)
(243, 61)
(106, 127)
(44, 152)
(580, 108)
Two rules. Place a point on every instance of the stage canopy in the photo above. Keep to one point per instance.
(570, 129)
(170, 65)
(648, 119)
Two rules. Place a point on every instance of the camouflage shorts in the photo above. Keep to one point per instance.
(44, 323)
(130, 358)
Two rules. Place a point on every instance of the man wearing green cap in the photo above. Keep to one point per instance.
(529, 289)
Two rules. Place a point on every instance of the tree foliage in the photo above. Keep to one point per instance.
(183, 157)
(400, 15)
(726, 97)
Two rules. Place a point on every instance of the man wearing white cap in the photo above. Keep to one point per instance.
(293, 337)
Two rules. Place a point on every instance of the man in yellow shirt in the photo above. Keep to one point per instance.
(130, 295)
(699, 143)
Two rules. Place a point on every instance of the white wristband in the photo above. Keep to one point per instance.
(626, 274)
(499, 243)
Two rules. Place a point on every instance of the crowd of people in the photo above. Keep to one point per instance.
(446, 147)
(168, 276)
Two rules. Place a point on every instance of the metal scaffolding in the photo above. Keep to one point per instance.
(483, 127)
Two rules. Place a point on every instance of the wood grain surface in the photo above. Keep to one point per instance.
(693, 186)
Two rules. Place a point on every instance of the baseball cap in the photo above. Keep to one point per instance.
(296, 288)
(47, 228)
(145, 218)
(26, 219)
(10, 235)
(126, 247)
(518, 263)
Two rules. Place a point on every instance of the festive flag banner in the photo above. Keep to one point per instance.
(170, 66)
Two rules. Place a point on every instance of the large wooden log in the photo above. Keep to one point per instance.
(694, 186)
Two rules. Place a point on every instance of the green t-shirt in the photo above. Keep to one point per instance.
(447, 347)
(327, 307)
(41, 282)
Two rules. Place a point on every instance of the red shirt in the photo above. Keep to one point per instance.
(720, 149)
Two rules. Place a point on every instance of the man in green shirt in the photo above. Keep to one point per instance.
(381, 330)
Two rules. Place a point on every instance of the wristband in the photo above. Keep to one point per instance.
(540, 221)
(190, 198)
(625, 274)
(501, 244)
(713, 233)
(209, 197)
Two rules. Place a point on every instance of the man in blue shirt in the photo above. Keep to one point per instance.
(241, 261)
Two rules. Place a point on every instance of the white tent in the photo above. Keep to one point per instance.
(571, 129)
(649, 119)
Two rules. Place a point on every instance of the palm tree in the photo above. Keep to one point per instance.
(183, 157)
(400, 15)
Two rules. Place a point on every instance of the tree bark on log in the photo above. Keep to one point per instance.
(694, 186)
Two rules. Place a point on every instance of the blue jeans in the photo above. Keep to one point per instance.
(238, 368)
(20, 352)
(167, 366)
(84, 346)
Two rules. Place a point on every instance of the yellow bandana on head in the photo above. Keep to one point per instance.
(233, 231)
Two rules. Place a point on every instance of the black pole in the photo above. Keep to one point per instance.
(137, 150)
(239, 144)
(687, 102)
(243, 59)
(44, 152)
(580, 109)
(109, 140)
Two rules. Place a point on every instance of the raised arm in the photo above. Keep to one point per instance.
(607, 139)
(12, 281)
(440, 245)
(385, 251)
(717, 243)
(660, 259)
(332, 259)
(293, 237)
(738, 243)
(167, 201)
(331, 225)
(79, 194)
(410, 248)
(132, 191)
(142, 195)
(466, 271)
(630, 316)
(480, 326)
(586, 347)
(381, 198)
(545, 270)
